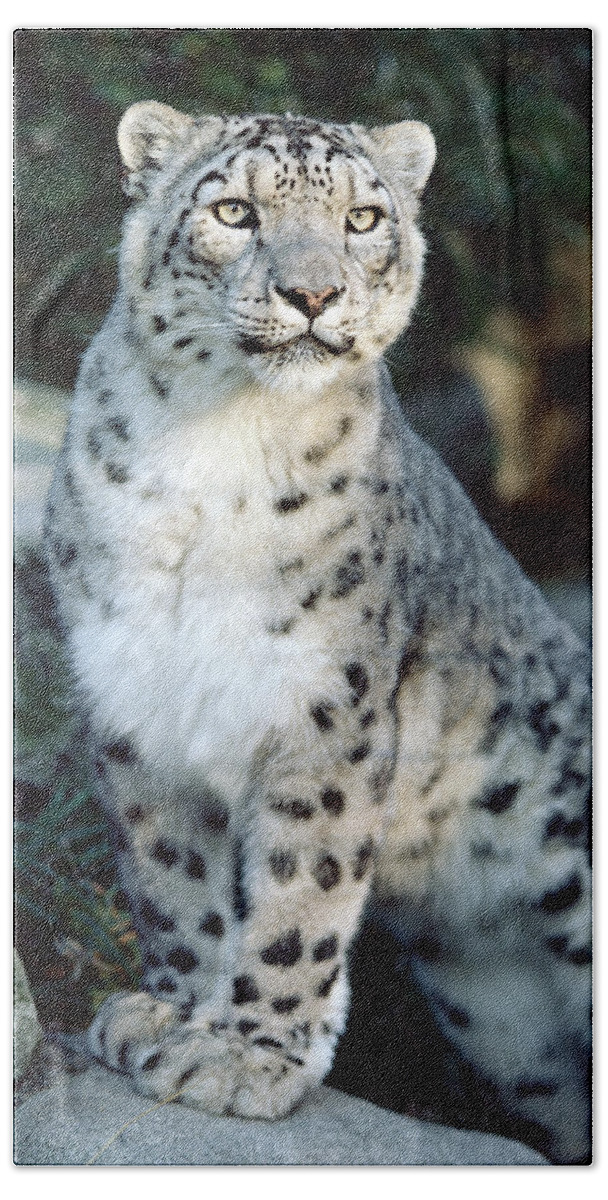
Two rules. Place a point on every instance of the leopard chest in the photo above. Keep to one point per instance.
(227, 614)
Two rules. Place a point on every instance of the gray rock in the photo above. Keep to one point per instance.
(96, 1119)
(27, 1032)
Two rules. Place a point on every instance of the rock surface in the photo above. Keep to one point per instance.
(26, 1027)
(94, 1118)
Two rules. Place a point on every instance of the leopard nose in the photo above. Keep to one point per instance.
(309, 303)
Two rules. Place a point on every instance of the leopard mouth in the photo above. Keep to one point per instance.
(295, 348)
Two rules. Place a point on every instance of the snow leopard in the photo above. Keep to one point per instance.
(312, 678)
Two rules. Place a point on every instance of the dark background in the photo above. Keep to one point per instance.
(494, 371)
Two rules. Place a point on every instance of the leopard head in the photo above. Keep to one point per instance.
(290, 243)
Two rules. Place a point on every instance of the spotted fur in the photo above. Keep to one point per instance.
(305, 661)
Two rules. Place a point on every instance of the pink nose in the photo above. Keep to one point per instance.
(309, 303)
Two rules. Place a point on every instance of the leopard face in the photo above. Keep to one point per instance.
(289, 244)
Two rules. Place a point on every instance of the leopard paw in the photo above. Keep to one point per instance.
(220, 1074)
(124, 1020)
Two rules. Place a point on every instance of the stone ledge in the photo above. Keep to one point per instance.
(94, 1118)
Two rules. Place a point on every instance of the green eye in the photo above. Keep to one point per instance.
(235, 213)
(363, 220)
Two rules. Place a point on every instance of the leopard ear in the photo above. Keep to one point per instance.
(147, 135)
(408, 151)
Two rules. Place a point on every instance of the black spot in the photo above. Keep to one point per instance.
(326, 948)
(498, 664)
(482, 850)
(294, 564)
(289, 504)
(166, 984)
(212, 924)
(216, 1027)
(580, 957)
(367, 719)
(540, 722)
(333, 800)
(116, 473)
(498, 800)
(182, 959)
(159, 324)
(457, 1016)
(558, 825)
(121, 751)
(246, 1027)
(348, 575)
(268, 1042)
(300, 810)
(150, 1063)
(240, 901)
(66, 553)
(93, 443)
(68, 480)
(181, 343)
(153, 960)
(161, 389)
(563, 897)
(363, 858)
(282, 627)
(379, 782)
(165, 853)
(327, 872)
(283, 865)
(152, 916)
(339, 483)
(358, 678)
(184, 1077)
(195, 865)
(104, 396)
(496, 723)
(325, 987)
(408, 661)
(310, 600)
(569, 780)
(187, 1008)
(558, 945)
(203, 354)
(359, 752)
(286, 951)
(285, 1004)
(320, 714)
(135, 813)
(535, 1087)
(123, 1055)
(119, 426)
(215, 816)
(244, 990)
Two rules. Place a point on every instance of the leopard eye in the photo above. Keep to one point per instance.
(235, 213)
(363, 220)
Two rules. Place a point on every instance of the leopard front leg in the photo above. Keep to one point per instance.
(268, 1032)
(175, 856)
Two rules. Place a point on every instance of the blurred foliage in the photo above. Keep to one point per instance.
(72, 928)
(510, 110)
